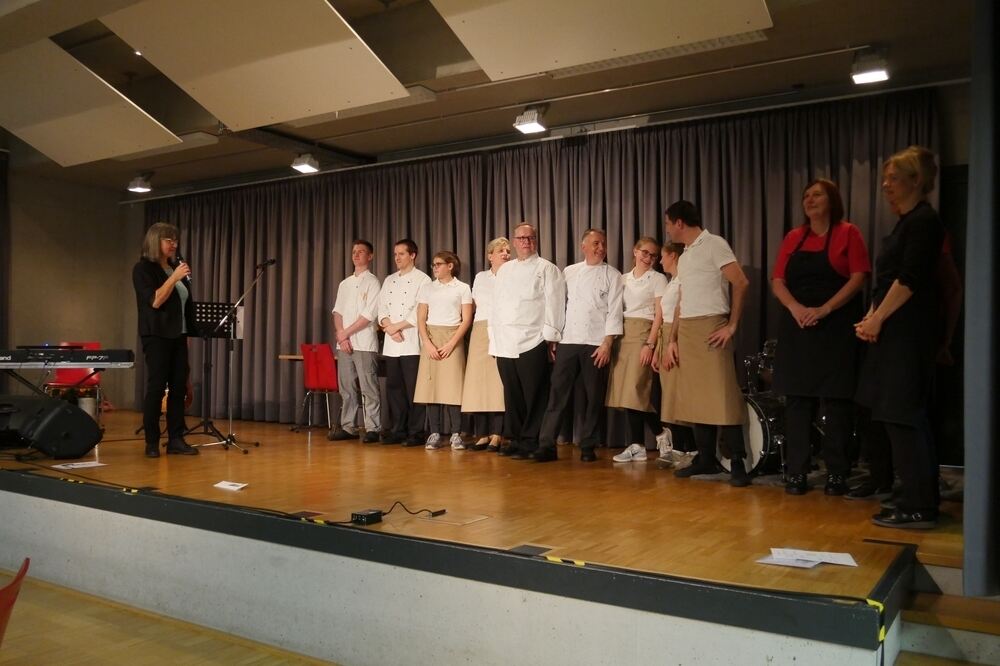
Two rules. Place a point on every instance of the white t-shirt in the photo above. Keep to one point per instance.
(530, 306)
(397, 301)
(668, 296)
(482, 294)
(704, 290)
(444, 301)
(593, 303)
(357, 296)
(641, 292)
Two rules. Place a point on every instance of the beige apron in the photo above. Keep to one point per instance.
(440, 382)
(483, 391)
(706, 390)
(630, 384)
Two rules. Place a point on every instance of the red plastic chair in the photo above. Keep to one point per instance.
(64, 379)
(8, 595)
(320, 376)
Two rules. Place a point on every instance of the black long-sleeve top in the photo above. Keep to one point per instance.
(910, 253)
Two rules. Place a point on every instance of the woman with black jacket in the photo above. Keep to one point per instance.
(166, 319)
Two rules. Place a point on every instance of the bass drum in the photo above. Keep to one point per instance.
(763, 434)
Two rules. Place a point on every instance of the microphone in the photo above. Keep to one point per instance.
(178, 259)
(266, 263)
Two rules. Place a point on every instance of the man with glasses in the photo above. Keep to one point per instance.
(354, 314)
(525, 325)
(593, 320)
(397, 316)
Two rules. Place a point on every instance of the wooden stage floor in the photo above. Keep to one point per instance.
(631, 516)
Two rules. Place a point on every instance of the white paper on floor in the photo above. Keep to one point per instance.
(230, 485)
(843, 559)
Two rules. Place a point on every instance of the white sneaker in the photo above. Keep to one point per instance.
(457, 443)
(634, 453)
(665, 442)
(433, 441)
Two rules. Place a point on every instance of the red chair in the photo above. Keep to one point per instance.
(8, 595)
(64, 379)
(320, 376)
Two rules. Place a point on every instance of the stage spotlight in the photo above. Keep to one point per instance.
(869, 67)
(305, 163)
(530, 121)
(140, 184)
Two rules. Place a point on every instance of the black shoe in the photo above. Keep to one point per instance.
(507, 451)
(390, 438)
(543, 455)
(587, 455)
(153, 450)
(521, 454)
(738, 477)
(908, 520)
(835, 485)
(698, 467)
(340, 436)
(180, 447)
(415, 440)
(869, 490)
(370, 437)
(796, 484)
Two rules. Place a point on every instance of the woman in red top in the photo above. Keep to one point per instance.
(818, 276)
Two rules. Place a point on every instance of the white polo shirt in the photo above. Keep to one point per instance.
(593, 303)
(704, 290)
(669, 295)
(397, 301)
(641, 292)
(482, 294)
(530, 306)
(444, 301)
(357, 296)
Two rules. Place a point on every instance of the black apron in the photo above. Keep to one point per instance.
(820, 360)
(898, 370)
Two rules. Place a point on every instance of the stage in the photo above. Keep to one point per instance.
(628, 537)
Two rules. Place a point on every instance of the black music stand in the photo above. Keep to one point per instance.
(207, 318)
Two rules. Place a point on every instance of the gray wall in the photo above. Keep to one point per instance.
(73, 247)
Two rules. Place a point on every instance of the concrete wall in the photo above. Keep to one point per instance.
(72, 249)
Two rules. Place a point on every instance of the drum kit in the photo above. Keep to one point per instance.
(763, 432)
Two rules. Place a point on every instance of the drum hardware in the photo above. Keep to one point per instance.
(759, 368)
(763, 435)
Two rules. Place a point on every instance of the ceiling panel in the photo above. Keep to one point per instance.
(258, 62)
(67, 112)
(511, 38)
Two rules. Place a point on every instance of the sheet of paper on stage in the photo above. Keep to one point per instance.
(80, 465)
(843, 559)
(800, 564)
(230, 485)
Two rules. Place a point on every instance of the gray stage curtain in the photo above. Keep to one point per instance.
(4, 262)
(982, 499)
(745, 172)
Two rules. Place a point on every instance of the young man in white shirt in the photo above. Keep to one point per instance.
(354, 314)
(525, 325)
(397, 317)
(708, 394)
(593, 318)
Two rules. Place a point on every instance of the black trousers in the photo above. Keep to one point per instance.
(574, 364)
(405, 416)
(486, 423)
(915, 460)
(525, 390)
(166, 367)
(799, 414)
(637, 423)
(706, 438)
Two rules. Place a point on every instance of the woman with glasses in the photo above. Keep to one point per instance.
(630, 383)
(166, 319)
(444, 314)
(482, 393)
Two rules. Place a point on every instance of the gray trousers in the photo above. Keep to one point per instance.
(354, 369)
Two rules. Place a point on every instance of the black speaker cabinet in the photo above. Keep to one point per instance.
(55, 427)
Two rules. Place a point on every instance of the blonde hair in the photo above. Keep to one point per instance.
(492, 246)
(917, 164)
(155, 234)
(646, 239)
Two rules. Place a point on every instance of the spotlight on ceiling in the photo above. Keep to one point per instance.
(869, 67)
(140, 184)
(530, 121)
(305, 163)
